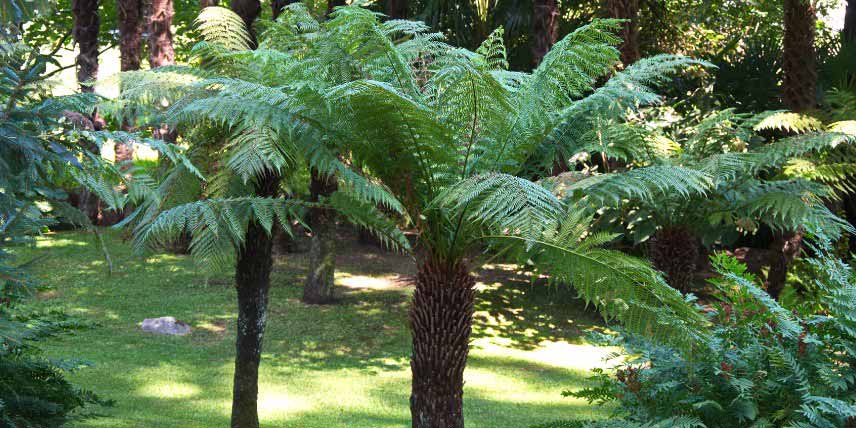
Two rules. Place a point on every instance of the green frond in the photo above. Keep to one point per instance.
(492, 49)
(222, 26)
(644, 184)
(785, 121)
(367, 216)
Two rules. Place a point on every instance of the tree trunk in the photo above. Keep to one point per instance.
(248, 10)
(332, 4)
(208, 3)
(674, 250)
(161, 51)
(85, 33)
(130, 22)
(785, 248)
(849, 31)
(799, 81)
(545, 28)
(318, 288)
(441, 319)
(252, 280)
(396, 9)
(629, 10)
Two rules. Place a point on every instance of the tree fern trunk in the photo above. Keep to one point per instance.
(441, 318)
(675, 251)
(161, 51)
(318, 288)
(332, 4)
(129, 14)
(252, 280)
(799, 80)
(248, 10)
(85, 33)
(396, 9)
(629, 10)
(545, 28)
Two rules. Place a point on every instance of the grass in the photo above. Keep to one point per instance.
(344, 365)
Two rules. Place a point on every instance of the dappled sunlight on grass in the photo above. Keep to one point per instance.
(337, 366)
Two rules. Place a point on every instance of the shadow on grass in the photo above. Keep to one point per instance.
(510, 306)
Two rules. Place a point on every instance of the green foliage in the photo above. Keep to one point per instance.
(767, 365)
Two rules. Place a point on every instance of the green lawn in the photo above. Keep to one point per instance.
(344, 365)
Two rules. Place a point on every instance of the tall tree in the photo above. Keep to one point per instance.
(130, 22)
(799, 67)
(252, 281)
(85, 33)
(629, 11)
(545, 28)
(161, 50)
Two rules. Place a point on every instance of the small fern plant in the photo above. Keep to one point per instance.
(768, 365)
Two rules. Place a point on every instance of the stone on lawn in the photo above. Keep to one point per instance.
(166, 325)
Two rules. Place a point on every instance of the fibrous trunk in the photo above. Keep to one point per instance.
(396, 9)
(318, 288)
(129, 14)
(252, 280)
(674, 250)
(441, 318)
(85, 32)
(161, 51)
(545, 28)
(784, 249)
(628, 10)
(799, 67)
(248, 10)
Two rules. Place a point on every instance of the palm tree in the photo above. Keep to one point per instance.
(448, 135)
(273, 127)
(799, 69)
(628, 10)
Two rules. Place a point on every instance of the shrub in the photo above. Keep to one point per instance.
(767, 366)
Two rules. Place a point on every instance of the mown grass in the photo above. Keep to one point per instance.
(344, 365)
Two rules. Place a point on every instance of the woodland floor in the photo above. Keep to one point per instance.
(344, 365)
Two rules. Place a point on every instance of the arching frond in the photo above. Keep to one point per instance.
(222, 26)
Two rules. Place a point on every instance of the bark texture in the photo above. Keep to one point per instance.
(799, 67)
(675, 252)
(396, 9)
(441, 319)
(318, 288)
(629, 10)
(161, 51)
(129, 14)
(545, 28)
(85, 33)
(252, 280)
(784, 249)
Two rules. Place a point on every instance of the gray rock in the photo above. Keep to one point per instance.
(166, 325)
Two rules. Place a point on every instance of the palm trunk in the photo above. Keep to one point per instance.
(161, 51)
(396, 9)
(545, 28)
(799, 80)
(130, 22)
(318, 288)
(441, 319)
(85, 32)
(629, 10)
